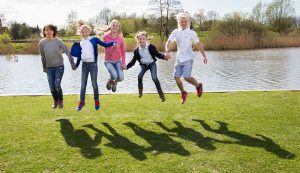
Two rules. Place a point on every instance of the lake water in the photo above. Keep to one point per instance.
(263, 69)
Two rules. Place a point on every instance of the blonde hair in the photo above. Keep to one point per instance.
(180, 16)
(85, 26)
(108, 29)
(142, 33)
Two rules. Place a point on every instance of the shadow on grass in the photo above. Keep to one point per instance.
(246, 140)
(160, 143)
(120, 142)
(192, 135)
(80, 139)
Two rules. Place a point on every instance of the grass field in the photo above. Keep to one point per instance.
(219, 132)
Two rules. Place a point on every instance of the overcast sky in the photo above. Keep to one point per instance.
(41, 12)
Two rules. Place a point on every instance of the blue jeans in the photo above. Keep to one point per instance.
(89, 67)
(153, 70)
(54, 75)
(115, 71)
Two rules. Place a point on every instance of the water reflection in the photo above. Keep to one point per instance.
(265, 69)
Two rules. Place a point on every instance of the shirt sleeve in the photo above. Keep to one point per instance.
(195, 38)
(123, 52)
(43, 57)
(172, 36)
(65, 50)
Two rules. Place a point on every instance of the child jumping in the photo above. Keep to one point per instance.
(185, 38)
(115, 57)
(51, 49)
(146, 54)
(87, 51)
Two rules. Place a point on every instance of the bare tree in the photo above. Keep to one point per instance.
(199, 17)
(103, 17)
(164, 8)
(258, 12)
(280, 14)
(71, 23)
(212, 15)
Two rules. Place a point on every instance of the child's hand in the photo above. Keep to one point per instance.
(115, 44)
(123, 67)
(74, 67)
(204, 60)
(167, 56)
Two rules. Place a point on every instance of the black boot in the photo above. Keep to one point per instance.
(162, 96)
(140, 92)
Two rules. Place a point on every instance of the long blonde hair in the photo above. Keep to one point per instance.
(108, 29)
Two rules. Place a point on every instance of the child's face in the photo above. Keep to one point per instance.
(183, 22)
(48, 32)
(115, 27)
(142, 40)
(85, 32)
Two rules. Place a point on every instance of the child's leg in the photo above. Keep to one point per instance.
(153, 70)
(94, 73)
(51, 80)
(178, 70)
(59, 72)
(111, 69)
(84, 78)
(192, 81)
(120, 73)
(144, 68)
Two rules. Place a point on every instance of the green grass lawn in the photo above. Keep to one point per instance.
(220, 132)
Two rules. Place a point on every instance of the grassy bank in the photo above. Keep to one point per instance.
(220, 132)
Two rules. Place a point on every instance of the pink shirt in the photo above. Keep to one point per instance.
(113, 53)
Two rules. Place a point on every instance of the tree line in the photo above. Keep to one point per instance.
(277, 16)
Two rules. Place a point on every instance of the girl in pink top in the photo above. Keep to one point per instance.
(115, 60)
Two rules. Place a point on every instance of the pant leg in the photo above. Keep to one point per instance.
(84, 77)
(111, 70)
(120, 73)
(144, 68)
(94, 73)
(51, 79)
(153, 70)
(59, 72)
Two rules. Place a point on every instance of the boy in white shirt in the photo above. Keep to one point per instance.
(185, 38)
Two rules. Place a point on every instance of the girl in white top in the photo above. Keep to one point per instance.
(185, 38)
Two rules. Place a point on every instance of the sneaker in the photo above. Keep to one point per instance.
(80, 105)
(97, 104)
(140, 92)
(183, 96)
(162, 96)
(114, 86)
(54, 105)
(108, 85)
(199, 90)
(60, 104)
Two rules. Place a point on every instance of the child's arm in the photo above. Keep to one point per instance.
(67, 52)
(123, 53)
(104, 44)
(132, 62)
(201, 48)
(157, 54)
(43, 58)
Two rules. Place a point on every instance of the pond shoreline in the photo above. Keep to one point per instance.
(135, 93)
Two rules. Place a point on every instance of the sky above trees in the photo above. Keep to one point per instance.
(41, 12)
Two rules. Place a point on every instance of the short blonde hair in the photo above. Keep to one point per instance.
(85, 26)
(180, 16)
(143, 33)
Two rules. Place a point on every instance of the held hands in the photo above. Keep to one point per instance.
(167, 56)
(73, 66)
(115, 44)
(123, 67)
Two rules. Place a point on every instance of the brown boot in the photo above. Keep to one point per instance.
(140, 92)
(162, 96)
